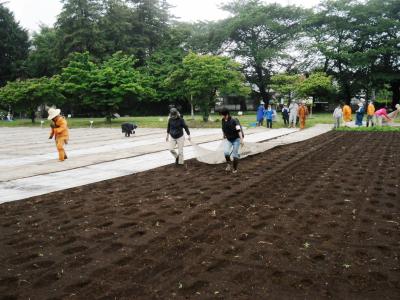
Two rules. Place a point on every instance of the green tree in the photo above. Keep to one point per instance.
(117, 26)
(113, 82)
(78, 27)
(43, 58)
(160, 66)
(318, 86)
(27, 95)
(76, 79)
(202, 76)
(285, 84)
(150, 25)
(14, 46)
(378, 31)
(259, 34)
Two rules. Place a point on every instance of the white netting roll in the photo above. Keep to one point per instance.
(209, 156)
(217, 156)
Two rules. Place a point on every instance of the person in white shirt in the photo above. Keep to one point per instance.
(293, 110)
(337, 115)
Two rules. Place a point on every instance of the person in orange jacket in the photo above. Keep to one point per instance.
(346, 114)
(302, 113)
(59, 130)
(370, 113)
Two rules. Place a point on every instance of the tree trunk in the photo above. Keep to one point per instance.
(33, 115)
(347, 93)
(326, 65)
(191, 107)
(395, 87)
(243, 105)
(261, 85)
(373, 94)
(205, 109)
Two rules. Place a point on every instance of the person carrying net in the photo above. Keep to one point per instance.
(233, 136)
(176, 125)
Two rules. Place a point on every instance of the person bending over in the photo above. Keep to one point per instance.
(59, 130)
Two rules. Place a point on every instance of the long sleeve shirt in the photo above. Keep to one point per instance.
(381, 112)
(370, 110)
(61, 129)
(176, 126)
(338, 113)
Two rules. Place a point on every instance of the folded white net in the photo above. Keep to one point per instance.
(216, 156)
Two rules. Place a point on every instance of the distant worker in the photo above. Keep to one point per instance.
(303, 114)
(176, 125)
(234, 138)
(285, 115)
(260, 114)
(59, 130)
(269, 114)
(338, 115)
(347, 114)
(381, 114)
(393, 115)
(293, 111)
(360, 114)
(370, 113)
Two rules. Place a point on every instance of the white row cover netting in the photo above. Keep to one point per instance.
(216, 156)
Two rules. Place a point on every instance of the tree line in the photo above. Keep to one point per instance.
(104, 56)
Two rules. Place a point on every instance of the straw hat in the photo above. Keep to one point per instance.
(53, 112)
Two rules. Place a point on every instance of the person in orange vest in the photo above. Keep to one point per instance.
(59, 130)
(303, 113)
(347, 114)
(370, 113)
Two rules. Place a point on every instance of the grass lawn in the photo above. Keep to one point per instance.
(370, 129)
(247, 120)
(161, 121)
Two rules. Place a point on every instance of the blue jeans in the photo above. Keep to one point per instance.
(232, 148)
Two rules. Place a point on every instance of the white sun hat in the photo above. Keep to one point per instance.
(53, 112)
(397, 106)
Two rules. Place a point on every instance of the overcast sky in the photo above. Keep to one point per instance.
(32, 13)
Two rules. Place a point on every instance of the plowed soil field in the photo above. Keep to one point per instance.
(312, 220)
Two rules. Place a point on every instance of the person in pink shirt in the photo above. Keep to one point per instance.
(380, 114)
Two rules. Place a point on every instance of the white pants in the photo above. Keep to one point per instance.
(292, 119)
(177, 142)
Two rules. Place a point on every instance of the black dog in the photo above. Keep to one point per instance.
(128, 129)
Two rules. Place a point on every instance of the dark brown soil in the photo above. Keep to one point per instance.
(318, 219)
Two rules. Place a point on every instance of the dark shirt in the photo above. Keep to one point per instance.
(285, 112)
(176, 126)
(231, 129)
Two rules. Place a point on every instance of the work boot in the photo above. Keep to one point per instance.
(235, 165)
(228, 163)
